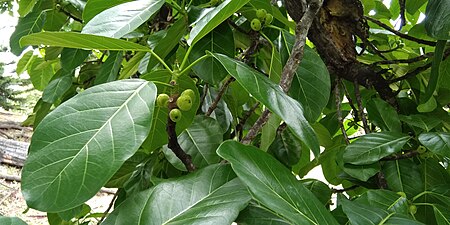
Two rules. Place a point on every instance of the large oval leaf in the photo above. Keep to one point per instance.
(272, 96)
(437, 20)
(200, 141)
(94, 7)
(208, 196)
(11, 221)
(78, 147)
(31, 23)
(438, 142)
(77, 40)
(404, 176)
(372, 147)
(311, 84)
(274, 186)
(213, 18)
(119, 20)
(258, 214)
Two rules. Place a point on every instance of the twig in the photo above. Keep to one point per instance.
(382, 183)
(235, 26)
(402, 4)
(224, 87)
(6, 135)
(173, 140)
(411, 60)
(350, 102)
(242, 122)
(360, 107)
(109, 207)
(71, 16)
(301, 32)
(337, 95)
(400, 34)
(400, 156)
(344, 189)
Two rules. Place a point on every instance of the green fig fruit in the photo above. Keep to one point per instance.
(188, 92)
(175, 115)
(162, 100)
(256, 24)
(184, 102)
(268, 20)
(261, 13)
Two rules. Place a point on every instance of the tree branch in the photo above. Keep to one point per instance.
(338, 110)
(406, 155)
(361, 108)
(400, 34)
(219, 96)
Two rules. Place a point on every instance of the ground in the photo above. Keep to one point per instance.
(11, 200)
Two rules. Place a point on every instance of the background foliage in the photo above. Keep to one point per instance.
(369, 103)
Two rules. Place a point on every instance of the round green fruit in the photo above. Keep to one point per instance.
(162, 100)
(256, 24)
(269, 19)
(188, 92)
(412, 209)
(184, 102)
(421, 149)
(175, 115)
(261, 13)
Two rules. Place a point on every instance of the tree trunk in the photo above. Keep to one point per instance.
(13, 152)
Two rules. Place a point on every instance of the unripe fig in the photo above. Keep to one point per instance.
(412, 209)
(188, 92)
(421, 149)
(269, 19)
(162, 100)
(184, 102)
(175, 115)
(256, 24)
(261, 13)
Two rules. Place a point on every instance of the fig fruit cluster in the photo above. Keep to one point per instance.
(183, 103)
(262, 18)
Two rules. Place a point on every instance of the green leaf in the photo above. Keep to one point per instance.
(258, 214)
(66, 162)
(438, 142)
(311, 85)
(424, 122)
(372, 147)
(442, 215)
(434, 78)
(55, 20)
(319, 189)
(94, 7)
(110, 68)
(58, 86)
(200, 141)
(213, 18)
(404, 176)
(286, 147)
(433, 174)
(220, 40)
(25, 62)
(383, 115)
(71, 58)
(361, 172)
(29, 24)
(77, 40)
(11, 221)
(208, 196)
(156, 138)
(274, 186)
(126, 170)
(413, 5)
(269, 132)
(437, 21)
(131, 66)
(25, 6)
(121, 19)
(386, 200)
(41, 72)
(272, 96)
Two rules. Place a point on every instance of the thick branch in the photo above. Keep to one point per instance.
(176, 148)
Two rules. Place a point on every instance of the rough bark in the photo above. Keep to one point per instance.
(13, 152)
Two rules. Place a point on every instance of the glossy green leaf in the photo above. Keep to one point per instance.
(83, 41)
(11, 221)
(220, 40)
(24, 62)
(433, 174)
(437, 22)
(269, 132)
(110, 68)
(55, 20)
(71, 58)
(200, 141)
(131, 66)
(428, 102)
(163, 42)
(437, 142)
(25, 7)
(286, 148)
(361, 172)
(52, 53)
(121, 19)
(403, 175)
(66, 162)
(442, 215)
(41, 72)
(126, 170)
(386, 200)
(274, 186)
(383, 115)
(272, 96)
(208, 196)
(363, 214)
(29, 24)
(213, 18)
(319, 189)
(157, 138)
(58, 86)
(311, 85)
(413, 5)
(372, 147)
(258, 214)
(94, 7)
(424, 122)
